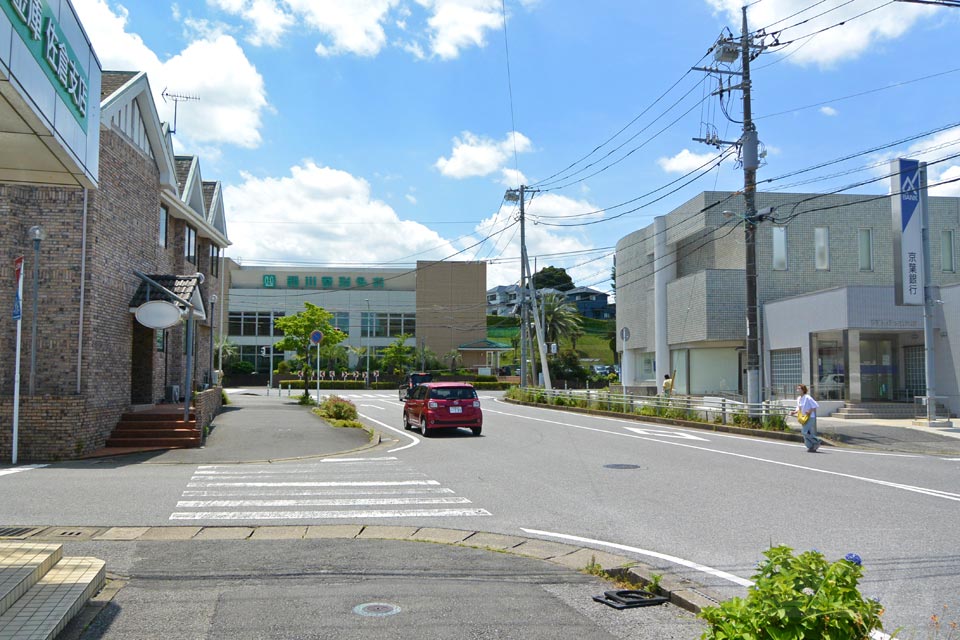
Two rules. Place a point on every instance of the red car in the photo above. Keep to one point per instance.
(441, 405)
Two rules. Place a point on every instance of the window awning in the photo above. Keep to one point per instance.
(183, 291)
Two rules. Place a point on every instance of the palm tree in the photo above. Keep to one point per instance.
(560, 318)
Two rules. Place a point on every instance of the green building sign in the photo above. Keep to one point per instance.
(40, 31)
(326, 282)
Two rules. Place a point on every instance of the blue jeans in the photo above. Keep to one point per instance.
(809, 432)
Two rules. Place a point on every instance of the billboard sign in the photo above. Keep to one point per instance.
(907, 208)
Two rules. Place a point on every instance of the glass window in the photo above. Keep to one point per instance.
(341, 321)
(821, 241)
(947, 262)
(263, 324)
(786, 371)
(190, 244)
(396, 325)
(380, 325)
(780, 248)
(410, 324)
(214, 260)
(164, 218)
(235, 324)
(865, 245)
(249, 324)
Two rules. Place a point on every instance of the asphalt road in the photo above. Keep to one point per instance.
(697, 504)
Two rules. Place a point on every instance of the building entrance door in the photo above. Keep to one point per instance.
(878, 369)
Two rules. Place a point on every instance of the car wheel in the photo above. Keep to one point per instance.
(406, 422)
(423, 428)
(476, 430)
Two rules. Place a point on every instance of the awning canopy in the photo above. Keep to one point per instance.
(484, 345)
(183, 291)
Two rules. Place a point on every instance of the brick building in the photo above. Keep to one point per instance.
(825, 288)
(150, 212)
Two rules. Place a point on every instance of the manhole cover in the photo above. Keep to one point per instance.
(17, 532)
(622, 466)
(376, 609)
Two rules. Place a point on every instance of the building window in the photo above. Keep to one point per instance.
(164, 219)
(865, 244)
(214, 260)
(821, 241)
(252, 323)
(779, 248)
(341, 321)
(786, 371)
(190, 244)
(947, 262)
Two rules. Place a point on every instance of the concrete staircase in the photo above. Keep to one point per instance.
(40, 590)
(155, 428)
(881, 410)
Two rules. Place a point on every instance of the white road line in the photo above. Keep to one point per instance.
(372, 483)
(415, 439)
(318, 515)
(743, 582)
(26, 467)
(317, 492)
(352, 502)
(373, 406)
(936, 493)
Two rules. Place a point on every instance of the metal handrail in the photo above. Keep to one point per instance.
(700, 408)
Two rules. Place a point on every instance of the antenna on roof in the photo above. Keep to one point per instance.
(177, 98)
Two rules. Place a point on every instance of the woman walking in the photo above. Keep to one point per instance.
(806, 413)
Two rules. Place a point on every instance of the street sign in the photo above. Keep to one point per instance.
(17, 274)
(316, 337)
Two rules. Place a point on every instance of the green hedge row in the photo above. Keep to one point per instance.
(358, 385)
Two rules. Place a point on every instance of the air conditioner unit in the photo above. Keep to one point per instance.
(173, 393)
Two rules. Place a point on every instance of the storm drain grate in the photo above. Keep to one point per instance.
(17, 532)
(73, 533)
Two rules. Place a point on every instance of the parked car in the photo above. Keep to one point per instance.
(831, 386)
(411, 381)
(442, 405)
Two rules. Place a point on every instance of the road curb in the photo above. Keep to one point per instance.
(682, 592)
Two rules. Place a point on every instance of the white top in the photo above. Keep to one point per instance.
(806, 404)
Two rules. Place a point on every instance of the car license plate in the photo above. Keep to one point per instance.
(456, 409)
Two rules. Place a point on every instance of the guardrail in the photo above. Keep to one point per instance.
(715, 409)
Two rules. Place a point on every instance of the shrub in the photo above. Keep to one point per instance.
(338, 408)
(487, 379)
(798, 597)
(241, 367)
(305, 399)
(283, 367)
(775, 423)
(560, 401)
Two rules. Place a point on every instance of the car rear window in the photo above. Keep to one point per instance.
(453, 393)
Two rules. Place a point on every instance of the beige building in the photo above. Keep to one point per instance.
(441, 304)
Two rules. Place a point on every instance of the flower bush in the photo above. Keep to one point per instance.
(796, 597)
(338, 408)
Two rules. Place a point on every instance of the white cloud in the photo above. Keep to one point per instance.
(459, 24)
(412, 199)
(267, 18)
(359, 27)
(321, 214)
(856, 36)
(686, 161)
(512, 178)
(930, 150)
(829, 111)
(474, 155)
(213, 67)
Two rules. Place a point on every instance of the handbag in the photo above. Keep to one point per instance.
(802, 418)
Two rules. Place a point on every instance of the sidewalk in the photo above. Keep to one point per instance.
(900, 436)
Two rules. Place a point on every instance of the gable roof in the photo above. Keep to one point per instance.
(484, 345)
(186, 287)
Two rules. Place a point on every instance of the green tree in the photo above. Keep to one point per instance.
(560, 318)
(397, 356)
(613, 278)
(454, 358)
(566, 366)
(553, 277)
(229, 350)
(298, 327)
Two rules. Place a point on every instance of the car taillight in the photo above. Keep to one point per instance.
(476, 403)
(432, 404)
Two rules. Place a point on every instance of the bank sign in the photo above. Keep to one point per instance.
(907, 186)
(40, 31)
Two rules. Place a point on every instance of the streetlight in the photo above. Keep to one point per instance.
(36, 234)
(369, 319)
(213, 303)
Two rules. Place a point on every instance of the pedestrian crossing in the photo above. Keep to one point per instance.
(331, 489)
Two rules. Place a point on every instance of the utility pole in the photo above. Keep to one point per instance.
(725, 51)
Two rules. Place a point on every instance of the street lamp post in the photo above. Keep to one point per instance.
(369, 319)
(36, 234)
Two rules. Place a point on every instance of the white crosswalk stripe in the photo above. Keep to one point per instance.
(342, 488)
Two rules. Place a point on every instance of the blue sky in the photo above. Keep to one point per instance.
(369, 132)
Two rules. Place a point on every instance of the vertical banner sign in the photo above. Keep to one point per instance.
(17, 287)
(907, 232)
